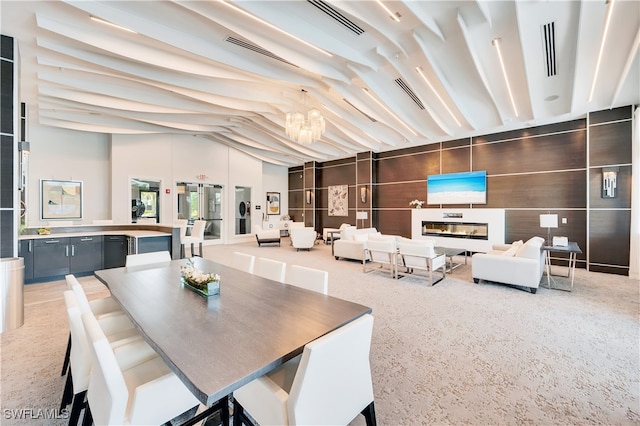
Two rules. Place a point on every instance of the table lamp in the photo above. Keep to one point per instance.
(549, 221)
(362, 216)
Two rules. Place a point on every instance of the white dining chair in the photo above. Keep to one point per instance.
(196, 237)
(80, 358)
(99, 307)
(329, 384)
(147, 220)
(58, 223)
(242, 261)
(271, 269)
(309, 278)
(147, 393)
(147, 258)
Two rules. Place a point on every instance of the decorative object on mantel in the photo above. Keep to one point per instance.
(416, 203)
(285, 217)
(206, 284)
(44, 231)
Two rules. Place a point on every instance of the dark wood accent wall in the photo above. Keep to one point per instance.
(609, 225)
(8, 149)
(555, 168)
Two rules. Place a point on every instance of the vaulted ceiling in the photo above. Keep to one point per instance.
(231, 70)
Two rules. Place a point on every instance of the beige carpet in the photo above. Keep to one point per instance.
(456, 353)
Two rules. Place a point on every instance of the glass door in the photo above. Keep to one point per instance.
(201, 201)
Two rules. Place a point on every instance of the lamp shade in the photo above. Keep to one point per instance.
(362, 215)
(548, 220)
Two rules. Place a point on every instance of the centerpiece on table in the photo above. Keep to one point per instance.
(416, 203)
(204, 283)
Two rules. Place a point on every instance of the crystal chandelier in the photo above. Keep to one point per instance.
(305, 130)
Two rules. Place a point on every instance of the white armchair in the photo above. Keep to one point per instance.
(303, 238)
(421, 256)
(383, 252)
(329, 384)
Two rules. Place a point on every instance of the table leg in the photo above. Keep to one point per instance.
(547, 261)
(572, 266)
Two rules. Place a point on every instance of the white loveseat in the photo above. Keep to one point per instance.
(352, 243)
(520, 264)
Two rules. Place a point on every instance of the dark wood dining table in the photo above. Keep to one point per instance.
(217, 344)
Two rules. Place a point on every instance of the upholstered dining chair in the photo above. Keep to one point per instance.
(80, 358)
(271, 269)
(329, 384)
(147, 258)
(147, 393)
(309, 278)
(196, 237)
(99, 307)
(242, 261)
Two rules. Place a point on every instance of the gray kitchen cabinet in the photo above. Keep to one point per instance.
(25, 251)
(85, 254)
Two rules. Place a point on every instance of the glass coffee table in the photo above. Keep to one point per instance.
(449, 253)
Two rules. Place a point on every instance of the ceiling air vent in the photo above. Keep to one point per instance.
(549, 41)
(409, 92)
(337, 16)
(257, 49)
(360, 111)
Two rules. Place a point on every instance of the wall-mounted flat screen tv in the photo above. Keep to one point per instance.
(457, 188)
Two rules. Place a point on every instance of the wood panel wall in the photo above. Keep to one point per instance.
(555, 168)
(7, 148)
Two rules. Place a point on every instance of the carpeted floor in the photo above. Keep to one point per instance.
(456, 353)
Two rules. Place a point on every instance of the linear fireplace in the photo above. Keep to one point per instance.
(475, 231)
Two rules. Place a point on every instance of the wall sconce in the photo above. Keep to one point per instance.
(363, 194)
(308, 196)
(609, 181)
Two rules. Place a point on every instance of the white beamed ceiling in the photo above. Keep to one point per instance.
(179, 74)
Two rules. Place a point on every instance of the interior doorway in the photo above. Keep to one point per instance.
(243, 210)
(201, 201)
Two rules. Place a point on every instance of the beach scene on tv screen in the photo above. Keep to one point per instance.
(457, 188)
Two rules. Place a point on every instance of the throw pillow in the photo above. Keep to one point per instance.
(511, 252)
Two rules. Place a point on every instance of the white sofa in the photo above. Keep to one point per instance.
(352, 243)
(520, 264)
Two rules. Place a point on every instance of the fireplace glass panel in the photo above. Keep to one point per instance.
(476, 231)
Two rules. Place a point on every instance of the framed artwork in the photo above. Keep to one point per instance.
(60, 199)
(273, 203)
(339, 200)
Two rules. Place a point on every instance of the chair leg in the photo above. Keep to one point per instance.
(79, 402)
(369, 414)
(200, 252)
(88, 417)
(65, 364)
(67, 393)
(192, 254)
(239, 416)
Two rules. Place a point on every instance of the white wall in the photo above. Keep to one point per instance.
(175, 158)
(106, 163)
(70, 155)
